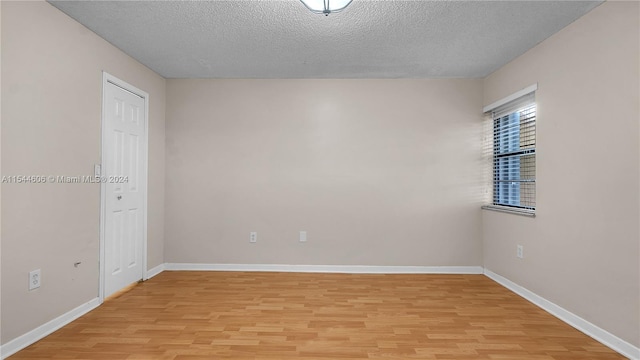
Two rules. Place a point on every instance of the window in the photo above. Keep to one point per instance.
(514, 152)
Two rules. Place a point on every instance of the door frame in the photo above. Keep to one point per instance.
(110, 79)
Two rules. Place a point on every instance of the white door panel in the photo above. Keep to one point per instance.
(124, 153)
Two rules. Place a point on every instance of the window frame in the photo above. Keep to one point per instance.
(499, 112)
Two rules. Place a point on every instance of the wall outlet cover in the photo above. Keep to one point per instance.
(35, 279)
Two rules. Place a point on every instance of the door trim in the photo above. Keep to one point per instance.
(106, 79)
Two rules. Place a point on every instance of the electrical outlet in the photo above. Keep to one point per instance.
(303, 236)
(34, 279)
(253, 237)
(520, 251)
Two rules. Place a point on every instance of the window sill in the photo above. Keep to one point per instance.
(510, 210)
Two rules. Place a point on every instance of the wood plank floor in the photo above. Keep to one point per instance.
(242, 315)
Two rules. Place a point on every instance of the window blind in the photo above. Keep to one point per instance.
(514, 153)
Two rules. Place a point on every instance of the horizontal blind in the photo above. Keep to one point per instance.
(514, 105)
(514, 153)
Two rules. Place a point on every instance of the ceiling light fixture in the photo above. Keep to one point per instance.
(326, 7)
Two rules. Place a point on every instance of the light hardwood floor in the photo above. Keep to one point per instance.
(243, 315)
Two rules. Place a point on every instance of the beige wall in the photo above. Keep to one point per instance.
(582, 249)
(52, 82)
(0, 174)
(378, 172)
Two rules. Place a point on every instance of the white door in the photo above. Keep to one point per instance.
(124, 177)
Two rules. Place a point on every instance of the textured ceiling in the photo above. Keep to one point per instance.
(283, 39)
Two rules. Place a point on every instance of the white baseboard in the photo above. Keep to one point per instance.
(599, 334)
(349, 269)
(155, 271)
(40, 332)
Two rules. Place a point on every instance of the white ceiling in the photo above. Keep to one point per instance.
(283, 39)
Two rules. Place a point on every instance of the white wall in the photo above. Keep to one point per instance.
(378, 172)
(51, 96)
(582, 249)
